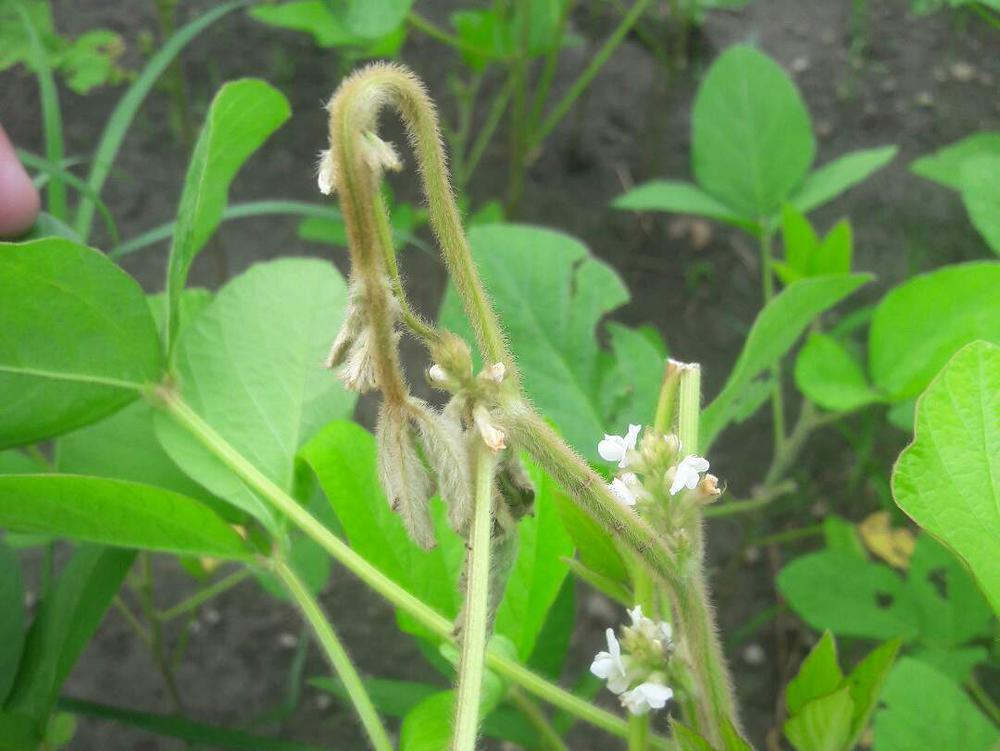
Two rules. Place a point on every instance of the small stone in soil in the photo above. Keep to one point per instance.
(287, 640)
(754, 655)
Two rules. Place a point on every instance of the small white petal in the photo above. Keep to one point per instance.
(613, 646)
(656, 695)
(622, 492)
(632, 436)
(667, 631)
(636, 615)
(437, 374)
(612, 448)
(497, 372)
(687, 473)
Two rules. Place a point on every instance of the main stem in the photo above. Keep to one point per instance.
(340, 551)
(692, 608)
(336, 655)
(474, 625)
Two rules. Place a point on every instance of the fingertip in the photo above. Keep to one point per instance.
(19, 199)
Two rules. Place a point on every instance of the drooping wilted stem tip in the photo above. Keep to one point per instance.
(357, 159)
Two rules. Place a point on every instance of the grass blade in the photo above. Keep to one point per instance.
(233, 211)
(121, 119)
(181, 729)
(56, 172)
(51, 115)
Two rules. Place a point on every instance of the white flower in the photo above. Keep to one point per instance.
(637, 617)
(646, 696)
(687, 473)
(666, 631)
(653, 631)
(611, 665)
(615, 448)
(622, 488)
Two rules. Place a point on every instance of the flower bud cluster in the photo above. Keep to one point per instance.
(656, 469)
(636, 667)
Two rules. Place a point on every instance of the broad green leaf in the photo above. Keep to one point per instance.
(375, 18)
(427, 727)
(12, 620)
(632, 385)
(17, 732)
(596, 549)
(328, 26)
(823, 724)
(836, 590)
(818, 676)
(865, 683)
(844, 172)
(920, 324)
(124, 446)
(343, 457)
(835, 252)
(539, 571)
(827, 374)
(251, 366)
(64, 624)
(951, 608)
(772, 335)
(752, 140)
(242, 115)
(16, 462)
(981, 195)
(678, 197)
(956, 664)
(550, 294)
(76, 339)
(686, 738)
(948, 479)
(925, 710)
(937, 604)
(945, 166)
(115, 512)
(842, 535)
(552, 643)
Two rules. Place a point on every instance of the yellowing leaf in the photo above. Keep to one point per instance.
(894, 546)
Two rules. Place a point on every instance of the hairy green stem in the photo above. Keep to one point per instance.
(692, 606)
(337, 656)
(340, 551)
(475, 624)
(638, 732)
